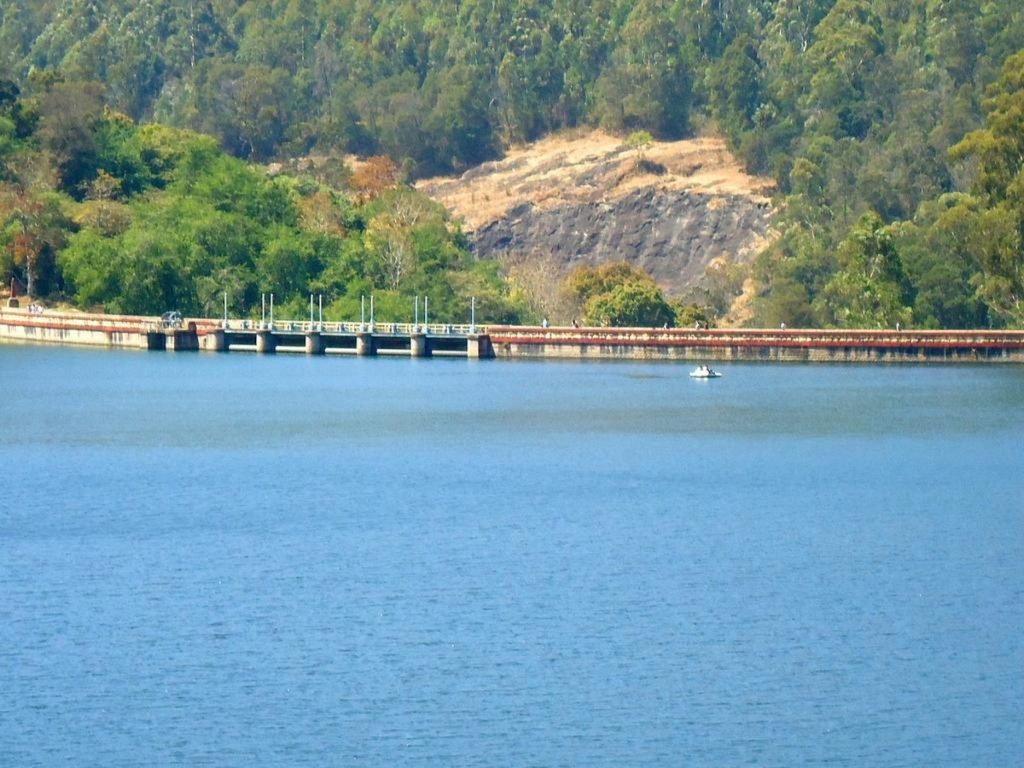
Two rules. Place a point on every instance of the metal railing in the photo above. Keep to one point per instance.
(399, 329)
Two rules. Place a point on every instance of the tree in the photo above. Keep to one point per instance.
(8, 144)
(458, 126)
(528, 78)
(870, 290)
(735, 89)
(648, 84)
(842, 59)
(287, 263)
(390, 244)
(641, 142)
(618, 294)
(374, 177)
(70, 115)
(629, 304)
(395, 234)
(998, 150)
(32, 229)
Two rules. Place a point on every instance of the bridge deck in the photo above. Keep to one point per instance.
(514, 341)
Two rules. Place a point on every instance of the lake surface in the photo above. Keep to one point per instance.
(241, 560)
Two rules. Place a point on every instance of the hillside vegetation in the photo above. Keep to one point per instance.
(110, 215)
(891, 130)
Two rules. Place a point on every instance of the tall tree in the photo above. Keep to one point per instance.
(70, 115)
(871, 289)
(649, 81)
(998, 150)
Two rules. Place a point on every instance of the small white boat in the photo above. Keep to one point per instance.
(704, 372)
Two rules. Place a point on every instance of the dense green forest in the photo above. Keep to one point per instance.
(893, 130)
(141, 219)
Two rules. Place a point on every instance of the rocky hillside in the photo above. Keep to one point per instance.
(670, 208)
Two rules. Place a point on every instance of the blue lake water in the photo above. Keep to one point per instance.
(241, 560)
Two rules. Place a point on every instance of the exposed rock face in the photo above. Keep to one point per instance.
(672, 209)
(672, 235)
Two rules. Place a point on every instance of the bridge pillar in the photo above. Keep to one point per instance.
(364, 344)
(265, 341)
(418, 345)
(314, 343)
(478, 345)
(214, 341)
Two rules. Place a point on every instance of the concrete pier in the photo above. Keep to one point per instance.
(214, 341)
(364, 344)
(418, 344)
(314, 343)
(265, 342)
(478, 346)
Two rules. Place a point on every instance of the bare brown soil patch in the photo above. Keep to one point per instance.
(590, 167)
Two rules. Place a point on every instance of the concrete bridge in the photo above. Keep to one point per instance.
(363, 339)
(191, 334)
(477, 341)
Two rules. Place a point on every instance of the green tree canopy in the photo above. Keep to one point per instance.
(618, 294)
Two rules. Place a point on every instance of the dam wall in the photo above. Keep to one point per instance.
(758, 345)
(92, 330)
(205, 334)
(513, 342)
